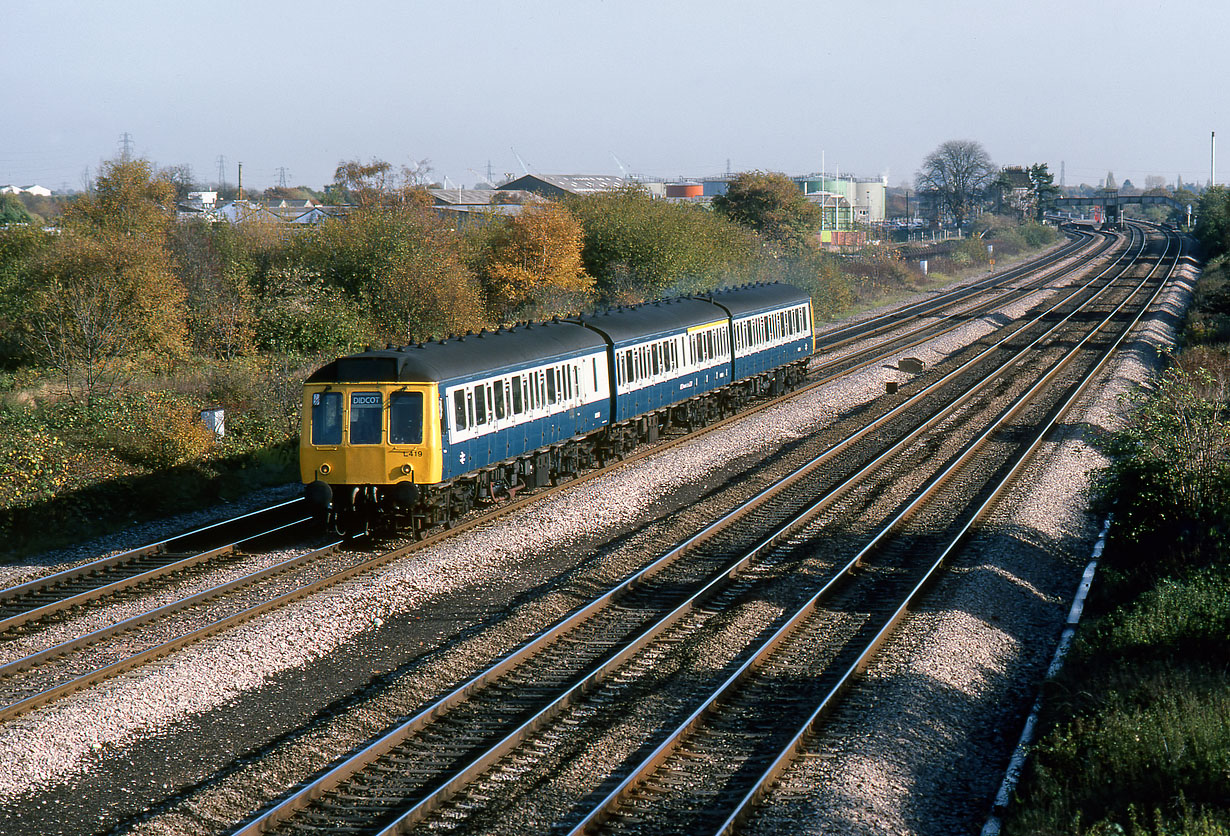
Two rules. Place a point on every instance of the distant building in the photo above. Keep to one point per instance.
(201, 200)
(38, 191)
(866, 197)
(558, 185)
(481, 197)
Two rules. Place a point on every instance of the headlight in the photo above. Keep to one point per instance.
(324, 468)
(406, 469)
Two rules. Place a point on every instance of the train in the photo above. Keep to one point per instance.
(413, 437)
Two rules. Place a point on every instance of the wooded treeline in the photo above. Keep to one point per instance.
(120, 285)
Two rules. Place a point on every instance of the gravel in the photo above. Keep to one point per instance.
(921, 746)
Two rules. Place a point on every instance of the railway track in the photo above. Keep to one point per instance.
(34, 676)
(45, 596)
(443, 764)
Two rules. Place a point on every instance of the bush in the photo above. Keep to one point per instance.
(1170, 476)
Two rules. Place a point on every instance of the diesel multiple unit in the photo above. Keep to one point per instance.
(416, 436)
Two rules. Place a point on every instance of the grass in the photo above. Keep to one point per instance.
(1140, 737)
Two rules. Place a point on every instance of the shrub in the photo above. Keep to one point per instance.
(156, 429)
(1170, 476)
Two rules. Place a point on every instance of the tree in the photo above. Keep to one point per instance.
(533, 266)
(401, 266)
(12, 211)
(956, 175)
(771, 205)
(1213, 223)
(181, 179)
(103, 293)
(97, 304)
(127, 198)
(376, 183)
(1042, 183)
(218, 264)
(638, 248)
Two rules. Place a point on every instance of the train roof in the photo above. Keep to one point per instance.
(475, 355)
(463, 357)
(646, 321)
(755, 298)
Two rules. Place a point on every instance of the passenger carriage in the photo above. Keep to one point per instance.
(416, 436)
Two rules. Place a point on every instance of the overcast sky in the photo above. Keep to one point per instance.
(671, 89)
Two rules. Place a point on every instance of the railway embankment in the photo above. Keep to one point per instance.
(1135, 737)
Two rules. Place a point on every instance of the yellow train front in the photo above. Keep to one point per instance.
(416, 436)
(349, 468)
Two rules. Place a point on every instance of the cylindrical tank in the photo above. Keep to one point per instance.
(684, 190)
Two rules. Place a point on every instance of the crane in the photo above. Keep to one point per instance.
(524, 168)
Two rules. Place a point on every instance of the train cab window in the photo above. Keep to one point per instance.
(326, 417)
(406, 418)
(365, 415)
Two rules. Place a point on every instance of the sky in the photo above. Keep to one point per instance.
(662, 88)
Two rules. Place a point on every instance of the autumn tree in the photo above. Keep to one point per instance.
(99, 303)
(219, 265)
(771, 205)
(639, 248)
(533, 264)
(956, 176)
(105, 293)
(378, 183)
(401, 266)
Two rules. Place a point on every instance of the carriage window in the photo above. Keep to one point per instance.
(550, 385)
(406, 418)
(518, 405)
(628, 370)
(326, 417)
(365, 415)
(459, 409)
(499, 399)
(593, 365)
(480, 405)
